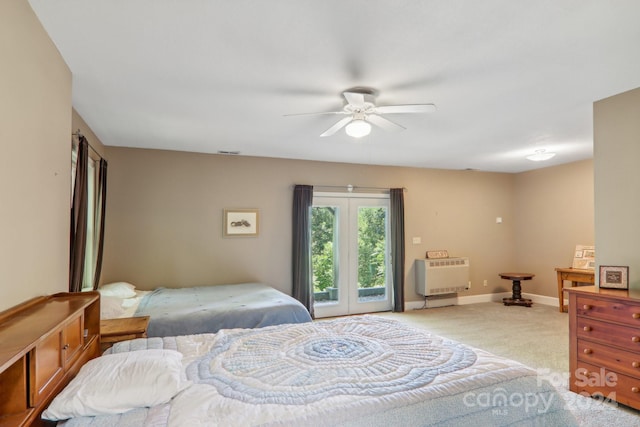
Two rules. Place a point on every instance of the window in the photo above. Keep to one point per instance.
(92, 226)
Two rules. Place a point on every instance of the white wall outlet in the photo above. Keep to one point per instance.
(417, 240)
(499, 220)
(485, 282)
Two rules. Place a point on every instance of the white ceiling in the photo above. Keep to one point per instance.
(508, 76)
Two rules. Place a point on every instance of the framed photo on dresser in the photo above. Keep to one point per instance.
(614, 277)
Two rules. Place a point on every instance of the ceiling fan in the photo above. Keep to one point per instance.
(361, 112)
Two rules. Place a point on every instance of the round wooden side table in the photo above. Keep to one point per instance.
(516, 297)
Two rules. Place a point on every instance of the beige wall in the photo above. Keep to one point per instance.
(554, 213)
(617, 174)
(164, 217)
(35, 127)
(165, 208)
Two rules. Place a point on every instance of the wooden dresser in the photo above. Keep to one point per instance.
(43, 344)
(604, 343)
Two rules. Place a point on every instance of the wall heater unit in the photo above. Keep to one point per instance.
(442, 276)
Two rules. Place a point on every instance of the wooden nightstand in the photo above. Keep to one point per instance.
(126, 328)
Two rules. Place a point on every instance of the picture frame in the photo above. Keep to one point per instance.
(584, 258)
(240, 222)
(614, 277)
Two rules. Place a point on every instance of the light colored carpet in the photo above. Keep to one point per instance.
(536, 336)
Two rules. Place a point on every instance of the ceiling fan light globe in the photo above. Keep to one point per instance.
(358, 128)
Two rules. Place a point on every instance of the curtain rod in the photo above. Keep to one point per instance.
(78, 134)
(350, 188)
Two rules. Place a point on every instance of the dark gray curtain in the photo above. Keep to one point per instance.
(78, 235)
(301, 246)
(396, 217)
(101, 199)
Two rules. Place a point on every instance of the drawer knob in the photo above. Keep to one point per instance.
(587, 328)
(586, 307)
(635, 364)
(635, 389)
(636, 315)
(635, 339)
(66, 346)
(587, 351)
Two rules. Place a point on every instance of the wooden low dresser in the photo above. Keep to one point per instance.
(604, 343)
(43, 344)
(122, 329)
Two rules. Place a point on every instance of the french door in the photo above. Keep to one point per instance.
(350, 254)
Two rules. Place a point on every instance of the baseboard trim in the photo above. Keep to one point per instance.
(475, 299)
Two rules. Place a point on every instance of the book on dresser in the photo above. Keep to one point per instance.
(604, 344)
(45, 341)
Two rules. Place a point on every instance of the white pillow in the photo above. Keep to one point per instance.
(118, 289)
(111, 307)
(116, 383)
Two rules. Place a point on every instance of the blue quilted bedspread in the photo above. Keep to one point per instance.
(359, 371)
(204, 309)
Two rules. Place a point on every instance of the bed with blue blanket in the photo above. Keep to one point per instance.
(203, 309)
(355, 371)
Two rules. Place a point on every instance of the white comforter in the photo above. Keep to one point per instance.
(363, 370)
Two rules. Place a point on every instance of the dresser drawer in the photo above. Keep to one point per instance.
(625, 337)
(594, 381)
(617, 311)
(624, 362)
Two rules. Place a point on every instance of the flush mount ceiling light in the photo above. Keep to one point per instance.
(540, 155)
(358, 128)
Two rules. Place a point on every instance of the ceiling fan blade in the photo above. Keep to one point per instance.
(354, 98)
(384, 123)
(316, 114)
(413, 108)
(335, 128)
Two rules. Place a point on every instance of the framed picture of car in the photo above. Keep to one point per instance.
(240, 222)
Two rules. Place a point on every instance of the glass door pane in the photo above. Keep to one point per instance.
(372, 254)
(329, 256)
(370, 260)
(323, 250)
